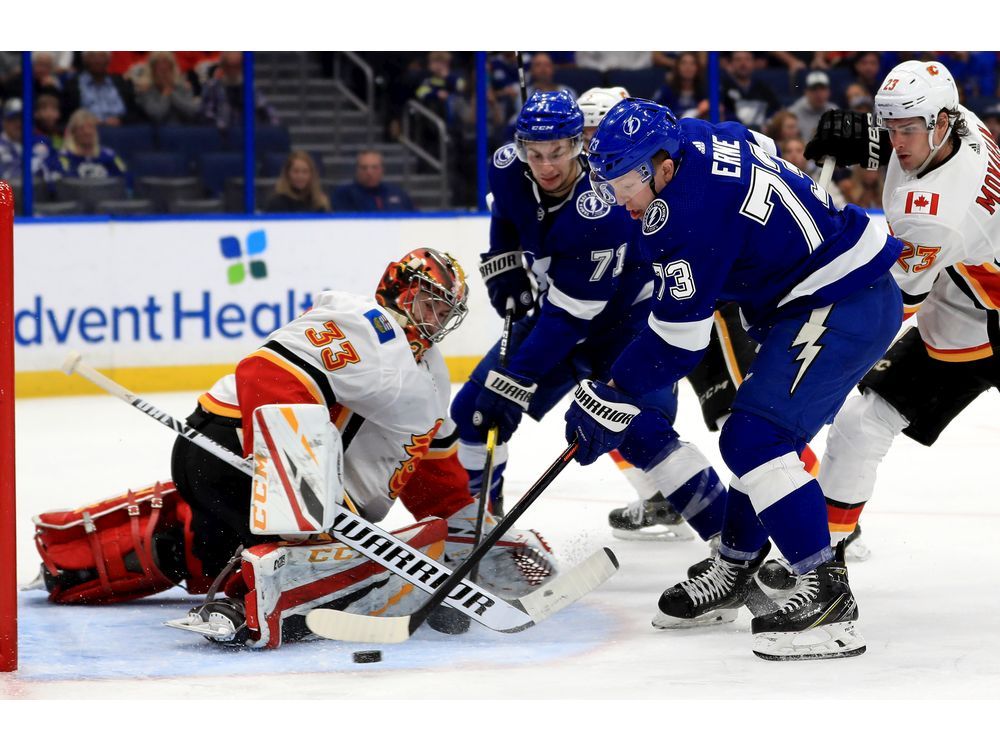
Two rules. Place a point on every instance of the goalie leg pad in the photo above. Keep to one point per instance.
(126, 547)
(287, 580)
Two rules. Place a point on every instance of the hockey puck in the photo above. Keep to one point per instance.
(366, 657)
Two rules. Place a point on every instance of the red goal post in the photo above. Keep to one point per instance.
(8, 546)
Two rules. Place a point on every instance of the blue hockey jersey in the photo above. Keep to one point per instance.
(738, 224)
(582, 253)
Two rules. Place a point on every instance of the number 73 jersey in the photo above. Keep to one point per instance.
(738, 224)
(348, 354)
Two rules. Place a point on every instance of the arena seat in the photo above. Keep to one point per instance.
(90, 191)
(191, 141)
(58, 208)
(196, 206)
(579, 79)
(644, 82)
(216, 167)
(127, 140)
(129, 207)
(164, 191)
(157, 164)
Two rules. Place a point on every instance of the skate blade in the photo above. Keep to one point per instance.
(835, 641)
(216, 630)
(655, 534)
(715, 617)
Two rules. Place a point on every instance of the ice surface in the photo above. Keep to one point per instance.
(928, 596)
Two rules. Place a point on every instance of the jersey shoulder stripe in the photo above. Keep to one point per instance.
(310, 374)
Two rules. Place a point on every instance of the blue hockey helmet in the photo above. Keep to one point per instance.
(549, 116)
(628, 138)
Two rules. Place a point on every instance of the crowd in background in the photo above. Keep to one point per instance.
(83, 100)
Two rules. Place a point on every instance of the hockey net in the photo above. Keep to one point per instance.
(8, 547)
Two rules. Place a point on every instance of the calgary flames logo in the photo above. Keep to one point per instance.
(932, 69)
(417, 449)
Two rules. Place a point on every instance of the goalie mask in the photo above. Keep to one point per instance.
(427, 294)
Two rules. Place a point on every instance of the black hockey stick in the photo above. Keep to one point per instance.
(541, 603)
(370, 540)
(520, 77)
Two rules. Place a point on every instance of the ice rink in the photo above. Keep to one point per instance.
(928, 596)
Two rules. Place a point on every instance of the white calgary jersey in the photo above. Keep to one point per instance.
(349, 354)
(949, 221)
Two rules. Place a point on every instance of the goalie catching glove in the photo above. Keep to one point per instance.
(850, 138)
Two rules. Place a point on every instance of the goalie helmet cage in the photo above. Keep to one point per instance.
(8, 547)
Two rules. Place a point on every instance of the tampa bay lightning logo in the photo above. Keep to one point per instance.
(504, 156)
(655, 217)
(589, 206)
(631, 125)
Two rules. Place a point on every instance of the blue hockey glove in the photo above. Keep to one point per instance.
(503, 400)
(506, 278)
(597, 419)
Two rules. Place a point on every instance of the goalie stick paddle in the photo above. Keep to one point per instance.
(370, 540)
(545, 601)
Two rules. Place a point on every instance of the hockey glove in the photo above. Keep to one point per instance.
(507, 278)
(597, 419)
(851, 138)
(502, 401)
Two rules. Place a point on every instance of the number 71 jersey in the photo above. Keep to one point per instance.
(738, 224)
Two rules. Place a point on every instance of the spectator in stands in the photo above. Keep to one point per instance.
(11, 145)
(43, 70)
(866, 70)
(504, 88)
(605, 61)
(858, 98)
(368, 193)
(991, 119)
(541, 76)
(168, 100)
(82, 154)
(744, 98)
(47, 120)
(10, 73)
(793, 151)
(865, 188)
(782, 126)
(684, 89)
(222, 97)
(298, 189)
(442, 90)
(110, 98)
(811, 105)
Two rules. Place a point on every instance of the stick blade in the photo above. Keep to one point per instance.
(570, 586)
(344, 626)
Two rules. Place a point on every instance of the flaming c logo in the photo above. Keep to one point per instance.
(416, 449)
(932, 69)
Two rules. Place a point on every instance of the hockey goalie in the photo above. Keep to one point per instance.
(348, 404)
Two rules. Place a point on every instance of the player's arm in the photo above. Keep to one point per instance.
(502, 266)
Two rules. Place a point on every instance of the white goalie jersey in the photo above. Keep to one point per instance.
(348, 354)
(949, 222)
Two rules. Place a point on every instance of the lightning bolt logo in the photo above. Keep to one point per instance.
(807, 338)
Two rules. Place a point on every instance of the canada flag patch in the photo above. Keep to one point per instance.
(919, 202)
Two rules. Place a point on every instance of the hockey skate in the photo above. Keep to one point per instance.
(520, 561)
(711, 598)
(816, 622)
(650, 520)
(777, 575)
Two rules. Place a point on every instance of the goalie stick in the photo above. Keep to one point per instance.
(539, 604)
(370, 540)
